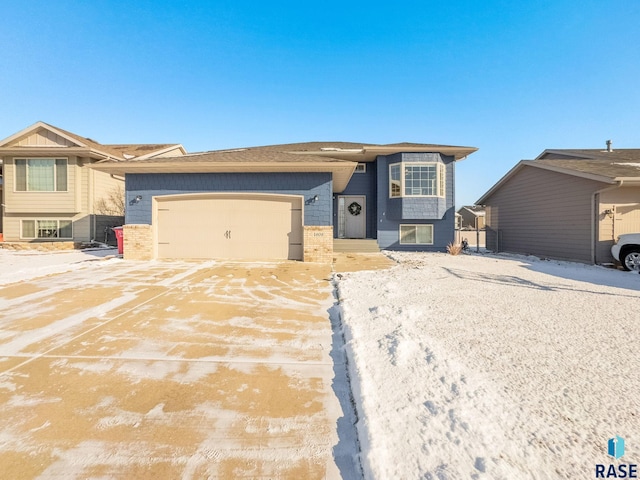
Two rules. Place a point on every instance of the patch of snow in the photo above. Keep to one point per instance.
(482, 366)
(630, 164)
(22, 265)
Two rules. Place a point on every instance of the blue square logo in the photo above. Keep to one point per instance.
(615, 447)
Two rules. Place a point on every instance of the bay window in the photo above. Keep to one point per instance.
(417, 180)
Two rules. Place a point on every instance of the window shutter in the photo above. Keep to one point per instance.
(21, 175)
(61, 175)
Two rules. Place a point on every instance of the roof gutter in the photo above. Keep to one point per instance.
(595, 212)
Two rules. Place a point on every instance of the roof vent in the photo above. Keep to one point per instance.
(609, 147)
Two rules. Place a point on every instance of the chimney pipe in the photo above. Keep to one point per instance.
(609, 148)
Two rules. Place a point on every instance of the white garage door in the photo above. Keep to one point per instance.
(229, 226)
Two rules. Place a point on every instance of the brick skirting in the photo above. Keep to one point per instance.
(317, 247)
(138, 242)
(318, 244)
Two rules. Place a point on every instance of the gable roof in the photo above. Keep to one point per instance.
(613, 165)
(75, 144)
(476, 210)
(609, 167)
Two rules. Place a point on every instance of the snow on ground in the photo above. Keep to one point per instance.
(501, 367)
(475, 366)
(17, 266)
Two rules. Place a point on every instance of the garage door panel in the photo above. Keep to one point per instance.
(234, 227)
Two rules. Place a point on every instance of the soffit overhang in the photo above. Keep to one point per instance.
(341, 171)
(370, 153)
(61, 152)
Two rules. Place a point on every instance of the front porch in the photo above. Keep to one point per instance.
(355, 245)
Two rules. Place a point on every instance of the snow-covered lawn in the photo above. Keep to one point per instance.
(475, 366)
(499, 367)
(17, 266)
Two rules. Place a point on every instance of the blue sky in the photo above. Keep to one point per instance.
(511, 78)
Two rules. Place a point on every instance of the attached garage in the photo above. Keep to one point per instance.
(252, 226)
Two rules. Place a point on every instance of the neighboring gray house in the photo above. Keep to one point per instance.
(565, 204)
(289, 201)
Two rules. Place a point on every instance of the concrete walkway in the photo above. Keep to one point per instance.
(174, 370)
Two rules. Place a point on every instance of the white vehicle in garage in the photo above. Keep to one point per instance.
(627, 251)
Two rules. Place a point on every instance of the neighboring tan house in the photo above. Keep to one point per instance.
(565, 204)
(289, 201)
(471, 217)
(50, 195)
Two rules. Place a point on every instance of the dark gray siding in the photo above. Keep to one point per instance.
(361, 184)
(543, 213)
(392, 212)
(149, 185)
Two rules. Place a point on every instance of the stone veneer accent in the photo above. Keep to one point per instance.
(138, 242)
(317, 247)
(318, 244)
(44, 246)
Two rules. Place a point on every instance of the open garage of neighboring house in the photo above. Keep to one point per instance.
(228, 225)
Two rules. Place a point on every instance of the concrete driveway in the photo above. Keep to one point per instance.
(174, 370)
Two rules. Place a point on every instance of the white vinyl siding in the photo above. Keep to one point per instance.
(32, 229)
(41, 175)
(417, 180)
(416, 234)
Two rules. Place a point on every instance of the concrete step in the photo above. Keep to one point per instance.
(344, 245)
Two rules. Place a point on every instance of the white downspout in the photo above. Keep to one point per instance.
(595, 213)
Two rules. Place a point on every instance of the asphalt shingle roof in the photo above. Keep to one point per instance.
(248, 155)
(614, 164)
(115, 150)
(292, 152)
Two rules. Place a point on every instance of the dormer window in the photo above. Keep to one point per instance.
(416, 180)
(41, 175)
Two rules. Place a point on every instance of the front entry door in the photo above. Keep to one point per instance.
(353, 211)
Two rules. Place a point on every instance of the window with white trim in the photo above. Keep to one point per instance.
(416, 234)
(40, 174)
(46, 229)
(417, 179)
(361, 168)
